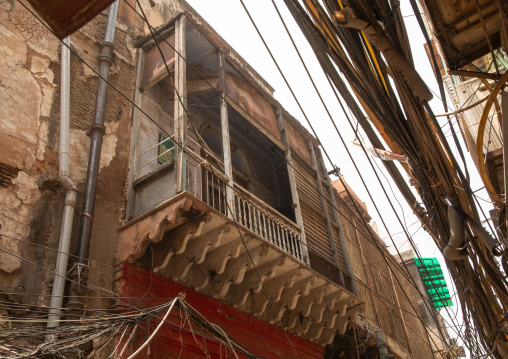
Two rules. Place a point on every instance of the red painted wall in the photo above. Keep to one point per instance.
(258, 336)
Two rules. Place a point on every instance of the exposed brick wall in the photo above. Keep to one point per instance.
(387, 295)
(7, 174)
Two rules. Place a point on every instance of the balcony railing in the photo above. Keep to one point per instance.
(214, 191)
(263, 220)
(248, 210)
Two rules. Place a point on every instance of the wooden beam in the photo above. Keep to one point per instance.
(136, 123)
(226, 143)
(292, 183)
(180, 115)
(475, 74)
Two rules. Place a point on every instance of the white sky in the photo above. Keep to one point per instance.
(229, 19)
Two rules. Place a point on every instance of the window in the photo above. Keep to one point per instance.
(166, 149)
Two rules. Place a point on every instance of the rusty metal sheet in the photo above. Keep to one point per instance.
(297, 142)
(255, 104)
(65, 17)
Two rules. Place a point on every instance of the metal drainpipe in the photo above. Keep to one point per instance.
(70, 196)
(79, 272)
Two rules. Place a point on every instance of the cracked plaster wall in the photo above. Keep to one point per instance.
(32, 200)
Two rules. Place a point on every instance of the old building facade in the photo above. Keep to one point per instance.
(206, 186)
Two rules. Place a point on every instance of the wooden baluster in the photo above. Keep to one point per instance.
(286, 242)
(252, 212)
(260, 230)
(262, 225)
(207, 194)
(240, 210)
(273, 233)
(293, 243)
(269, 232)
(249, 215)
(255, 219)
(219, 201)
(299, 246)
(213, 192)
(279, 235)
(244, 221)
(286, 239)
(237, 208)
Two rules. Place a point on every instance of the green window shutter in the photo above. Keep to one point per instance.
(166, 149)
(432, 276)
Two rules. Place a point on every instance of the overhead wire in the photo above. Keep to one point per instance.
(250, 124)
(99, 320)
(165, 283)
(460, 175)
(315, 134)
(118, 90)
(128, 99)
(228, 205)
(168, 70)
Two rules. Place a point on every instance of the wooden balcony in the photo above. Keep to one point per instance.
(249, 212)
(242, 263)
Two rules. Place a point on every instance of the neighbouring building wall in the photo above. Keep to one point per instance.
(390, 306)
(32, 199)
(432, 318)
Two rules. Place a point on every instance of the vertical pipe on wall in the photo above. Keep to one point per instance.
(65, 94)
(62, 259)
(79, 272)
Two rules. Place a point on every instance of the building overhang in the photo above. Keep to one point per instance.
(187, 241)
(65, 17)
(459, 29)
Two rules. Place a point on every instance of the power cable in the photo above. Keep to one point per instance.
(329, 159)
(342, 214)
(121, 299)
(250, 124)
(96, 319)
(113, 86)
(227, 204)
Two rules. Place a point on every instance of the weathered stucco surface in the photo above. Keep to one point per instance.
(27, 92)
(32, 199)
